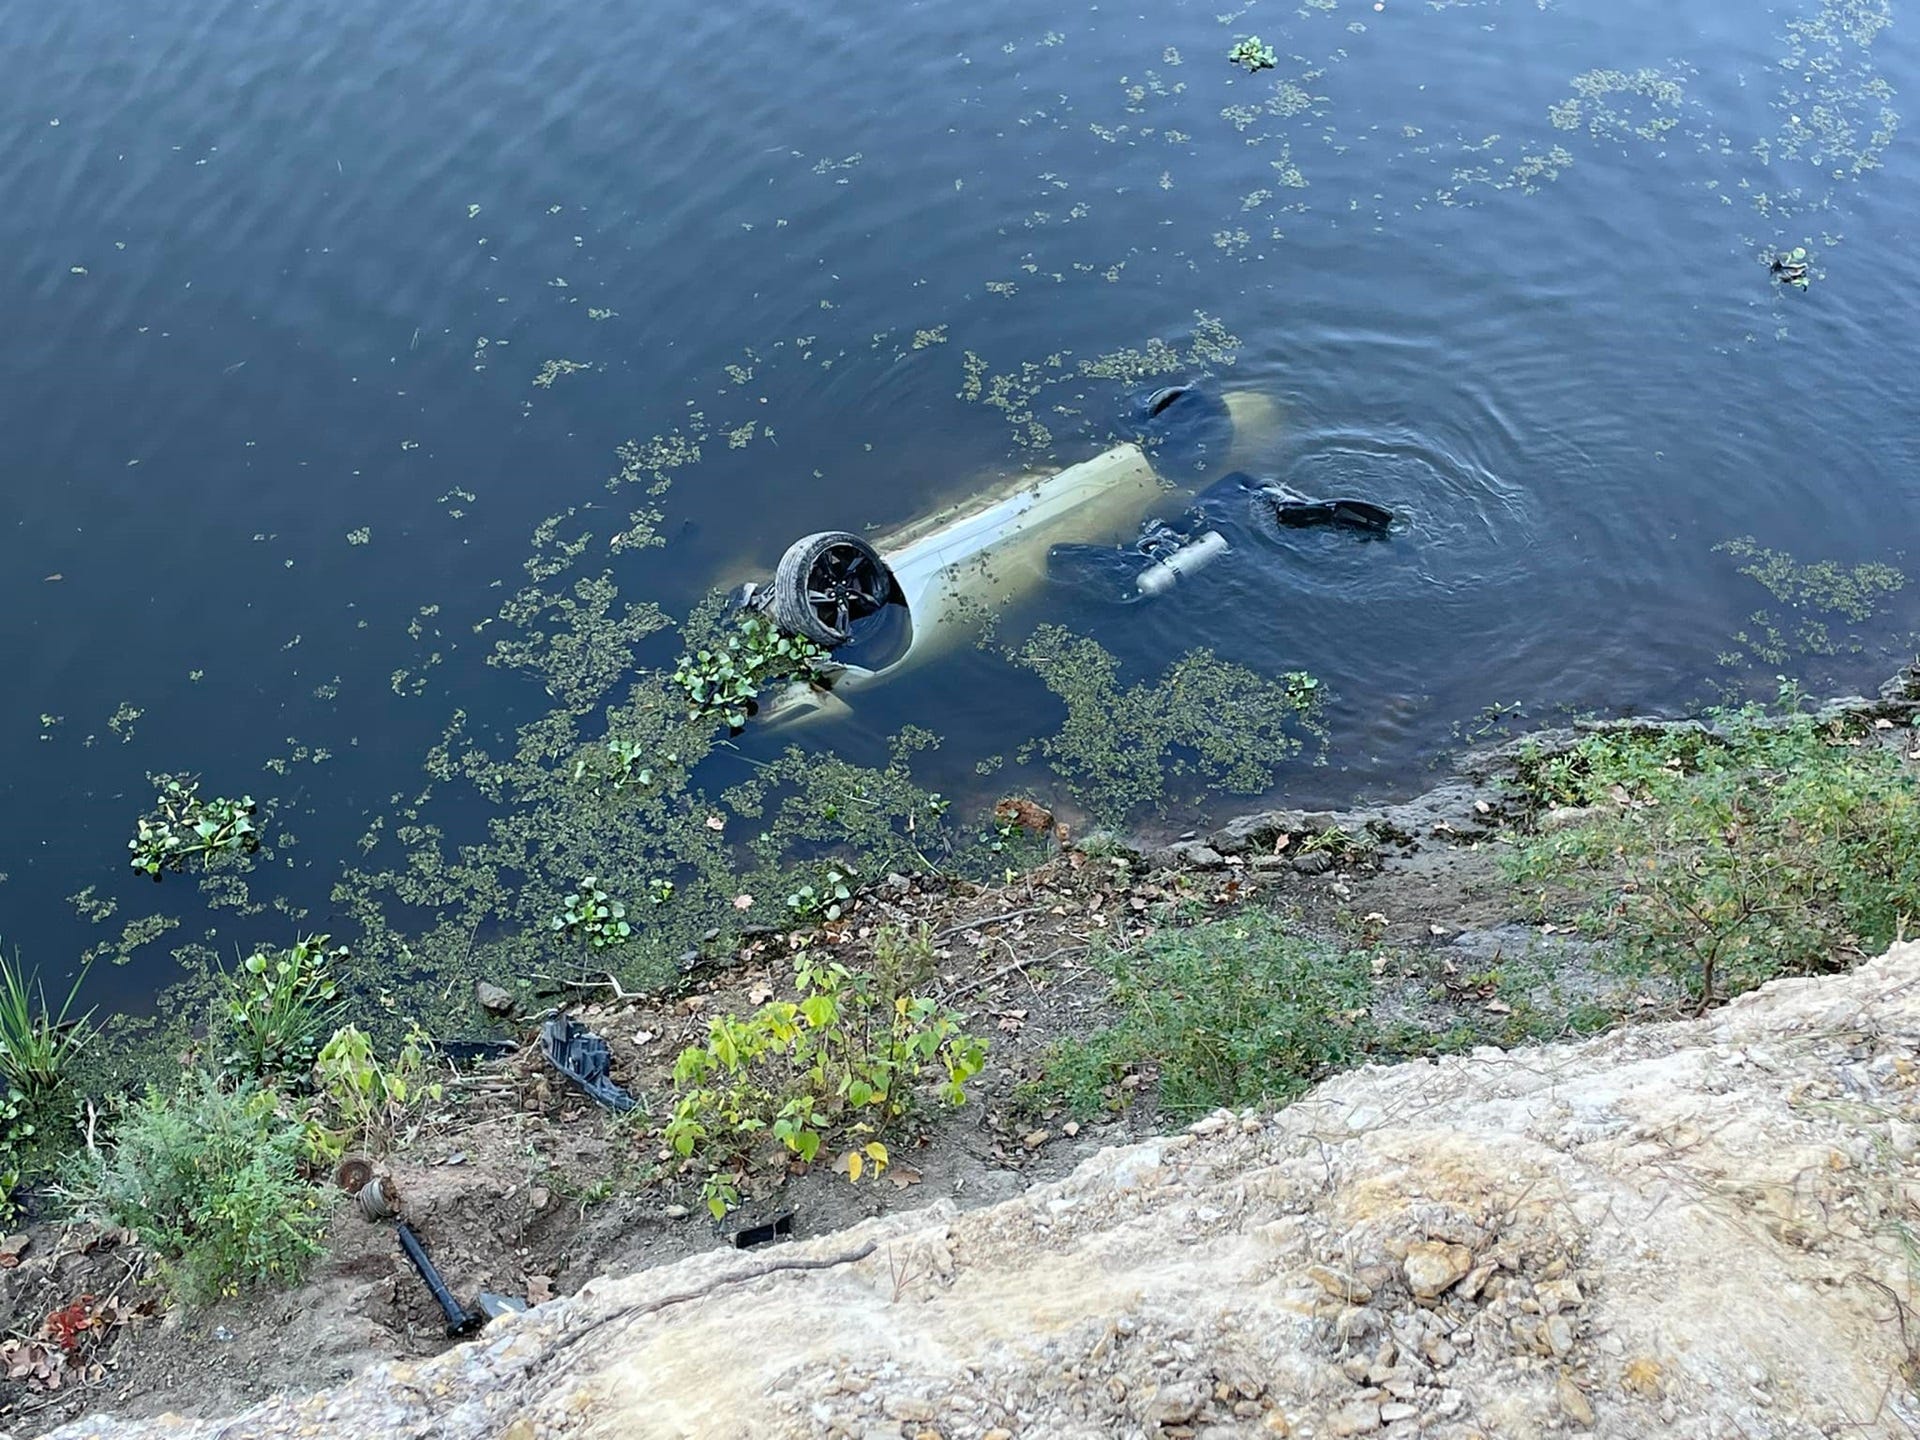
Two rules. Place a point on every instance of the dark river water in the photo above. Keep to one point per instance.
(314, 313)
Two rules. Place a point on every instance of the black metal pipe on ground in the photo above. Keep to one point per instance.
(460, 1321)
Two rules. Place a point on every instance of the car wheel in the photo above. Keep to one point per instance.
(826, 584)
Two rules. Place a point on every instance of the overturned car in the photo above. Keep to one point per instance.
(883, 603)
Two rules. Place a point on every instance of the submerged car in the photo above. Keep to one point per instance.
(883, 604)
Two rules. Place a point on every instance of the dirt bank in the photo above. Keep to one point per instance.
(1692, 1229)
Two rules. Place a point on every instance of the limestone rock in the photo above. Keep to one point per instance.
(1431, 1266)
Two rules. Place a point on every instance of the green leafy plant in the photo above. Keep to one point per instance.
(1251, 54)
(826, 901)
(16, 1129)
(183, 827)
(367, 1102)
(1773, 844)
(209, 1179)
(38, 1047)
(594, 918)
(844, 1061)
(1235, 1012)
(634, 766)
(277, 1008)
(721, 680)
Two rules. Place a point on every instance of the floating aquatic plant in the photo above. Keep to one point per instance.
(594, 917)
(1790, 267)
(1252, 54)
(722, 680)
(184, 827)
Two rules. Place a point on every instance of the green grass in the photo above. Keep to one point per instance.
(278, 1009)
(1235, 1012)
(38, 1046)
(1778, 844)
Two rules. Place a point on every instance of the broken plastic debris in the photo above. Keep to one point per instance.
(583, 1058)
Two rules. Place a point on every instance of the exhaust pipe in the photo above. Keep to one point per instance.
(1170, 570)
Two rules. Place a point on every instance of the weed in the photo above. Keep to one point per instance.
(277, 1008)
(632, 765)
(843, 1062)
(37, 1047)
(1234, 1012)
(183, 827)
(16, 1129)
(1821, 585)
(877, 813)
(826, 901)
(1773, 845)
(209, 1179)
(1340, 843)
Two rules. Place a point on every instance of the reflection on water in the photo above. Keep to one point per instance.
(379, 372)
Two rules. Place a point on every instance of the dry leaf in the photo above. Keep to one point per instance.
(761, 992)
(539, 1289)
(1281, 842)
(903, 1175)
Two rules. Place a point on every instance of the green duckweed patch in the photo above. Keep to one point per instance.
(1205, 722)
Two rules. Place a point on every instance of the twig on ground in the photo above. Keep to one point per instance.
(610, 983)
(966, 925)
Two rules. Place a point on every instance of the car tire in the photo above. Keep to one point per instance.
(827, 583)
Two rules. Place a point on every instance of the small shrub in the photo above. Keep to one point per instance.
(845, 1061)
(278, 1007)
(37, 1046)
(183, 827)
(1234, 1012)
(903, 960)
(1777, 845)
(209, 1180)
(721, 681)
(365, 1102)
